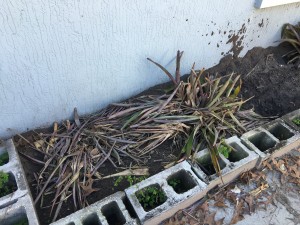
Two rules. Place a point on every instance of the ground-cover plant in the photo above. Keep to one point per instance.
(4, 158)
(174, 183)
(224, 150)
(22, 222)
(130, 179)
(151, 197)
(5, 186)
(296, 121)
(291, 34)
(201, 111)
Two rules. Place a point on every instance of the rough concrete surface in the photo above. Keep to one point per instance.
(286, 208)
(267, 196)
(57, 55)
(17, 205)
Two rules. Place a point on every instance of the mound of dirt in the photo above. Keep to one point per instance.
(274, 85)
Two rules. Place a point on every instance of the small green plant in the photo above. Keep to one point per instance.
(151, 197)
(174, 183)
(23, 221)
(224, 150)
(296, 121)
(130, 179)
(118, 181)
(4, 189)
(4, 159)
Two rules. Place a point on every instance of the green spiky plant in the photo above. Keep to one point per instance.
(210, 107)
(291, 34)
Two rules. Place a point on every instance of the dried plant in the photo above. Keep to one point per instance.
(291, 34)
(210, 111)
(201, 111)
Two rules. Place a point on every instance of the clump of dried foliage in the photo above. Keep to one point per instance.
(199, 112)
(291, 34)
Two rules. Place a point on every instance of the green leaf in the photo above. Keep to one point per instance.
(131, 119)
(221, 91)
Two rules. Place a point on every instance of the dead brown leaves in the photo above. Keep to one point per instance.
(288, 166)
(260, 196)
(199, 216)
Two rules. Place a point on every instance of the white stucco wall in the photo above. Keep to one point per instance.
(59, 54)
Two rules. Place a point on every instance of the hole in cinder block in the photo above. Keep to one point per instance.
(72, 223)
(206, 165)
(15, 217)
(8, 184)
(129, 207)
(113, 214)
(262, 141)
(91, 219)
(237, 153)
(280, 132)
(181, 181)
(151, 197)
(4, 157)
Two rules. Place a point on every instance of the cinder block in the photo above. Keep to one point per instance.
(19, 203)
(288, 137)
(111, 210)
(261, 141)
(288, 118)
(241, 158)
(240, 154)
(21, 210)
(13, 167)
(192, 189)
(203, 167)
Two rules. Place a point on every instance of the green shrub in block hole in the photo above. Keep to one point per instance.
(151, 197)
(4, 158)
(7, 185)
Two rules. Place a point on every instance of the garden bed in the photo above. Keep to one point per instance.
(265, 75)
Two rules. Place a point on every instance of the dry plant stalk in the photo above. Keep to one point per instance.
(201, 111)
(291, 34)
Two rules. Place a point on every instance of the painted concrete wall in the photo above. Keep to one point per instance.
(59, 54)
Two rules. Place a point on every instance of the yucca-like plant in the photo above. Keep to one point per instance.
(291, 34)
(210, 110)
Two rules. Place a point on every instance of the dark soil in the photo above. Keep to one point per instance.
(164, 154)
(274, 85)
(266, 76)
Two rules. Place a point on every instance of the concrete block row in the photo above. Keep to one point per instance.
(180, 187)
(195, 177)
(240, 160)
(114, 209)
(273, 139)
(18, 204)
